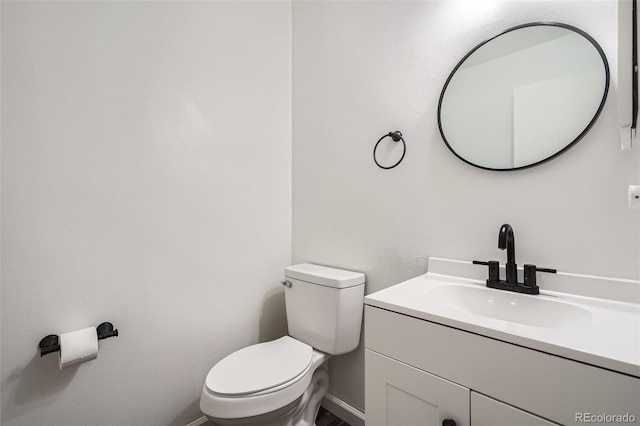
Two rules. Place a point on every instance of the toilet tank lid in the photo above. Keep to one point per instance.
(324, 275)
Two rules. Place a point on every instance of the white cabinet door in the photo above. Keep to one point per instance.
(489, 412)
(400, 395)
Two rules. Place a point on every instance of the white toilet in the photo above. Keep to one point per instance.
(282, 382)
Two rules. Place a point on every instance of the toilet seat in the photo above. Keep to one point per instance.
(245, 404)
(260, 368)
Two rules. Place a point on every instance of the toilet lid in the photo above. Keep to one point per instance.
(259, 367)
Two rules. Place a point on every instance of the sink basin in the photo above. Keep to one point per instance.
(513, 307)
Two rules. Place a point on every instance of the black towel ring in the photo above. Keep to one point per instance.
(395, 136)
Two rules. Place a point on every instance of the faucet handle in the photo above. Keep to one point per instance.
(494, 269)
(530, 274)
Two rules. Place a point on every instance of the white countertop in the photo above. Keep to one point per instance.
(605, 333)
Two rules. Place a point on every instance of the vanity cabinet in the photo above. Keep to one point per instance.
(401, 395)
(418, 372)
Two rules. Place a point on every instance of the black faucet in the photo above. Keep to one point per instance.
(506, 240)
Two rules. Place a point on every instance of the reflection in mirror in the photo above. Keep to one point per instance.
(524, 96)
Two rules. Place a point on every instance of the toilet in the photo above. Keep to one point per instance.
(282, 382)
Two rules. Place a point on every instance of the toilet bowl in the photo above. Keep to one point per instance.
(282, 382)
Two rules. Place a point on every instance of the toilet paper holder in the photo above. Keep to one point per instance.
(50, 343)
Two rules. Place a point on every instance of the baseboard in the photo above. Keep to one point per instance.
(202, 420)
(346, 412)
(330, 402)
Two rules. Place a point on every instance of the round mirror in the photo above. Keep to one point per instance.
(524, 96)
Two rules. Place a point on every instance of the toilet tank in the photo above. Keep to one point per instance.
(324, 307)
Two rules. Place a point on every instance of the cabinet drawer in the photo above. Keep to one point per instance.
(553, 387)
(486, 411)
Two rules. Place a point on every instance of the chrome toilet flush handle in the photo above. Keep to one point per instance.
(286, 283)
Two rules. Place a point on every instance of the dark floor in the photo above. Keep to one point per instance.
(325, 418)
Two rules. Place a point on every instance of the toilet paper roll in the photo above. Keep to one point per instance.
(78, 346)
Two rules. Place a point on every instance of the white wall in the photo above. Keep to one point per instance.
(146, 157)
(362, 69)
(146, 180)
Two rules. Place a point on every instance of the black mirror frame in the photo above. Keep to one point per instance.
(568, 146)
